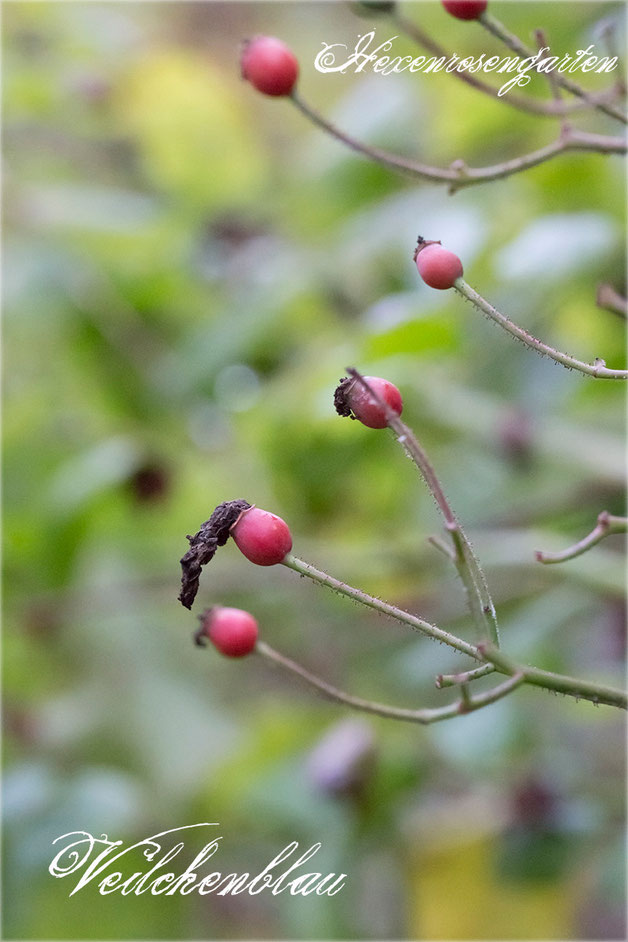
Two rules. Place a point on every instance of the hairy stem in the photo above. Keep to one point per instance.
(466, 704)
(465, 560)
(560, 683)
(487, 653)
(412, 621)
(606, 524)
(598, 369)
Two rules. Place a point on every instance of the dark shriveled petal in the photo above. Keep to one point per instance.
(212, 534)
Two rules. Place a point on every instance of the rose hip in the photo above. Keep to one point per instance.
(231, 630)
(263, 537)
(438, 267)
(269, 65)
(355, 400)
(465, 9)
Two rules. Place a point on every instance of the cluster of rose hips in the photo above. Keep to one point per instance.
(263, 537)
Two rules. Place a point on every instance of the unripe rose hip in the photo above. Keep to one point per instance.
(354, 400)
(438, 267)
(231, 630)
(465, 9)
(262, 537)
(269, 66)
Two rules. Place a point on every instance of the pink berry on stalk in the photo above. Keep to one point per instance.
(262, 537)
(465, 9)
(269, 65)
(231, 630)
(353, 399)
(438, 267)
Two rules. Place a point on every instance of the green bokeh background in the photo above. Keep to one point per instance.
(188, 269)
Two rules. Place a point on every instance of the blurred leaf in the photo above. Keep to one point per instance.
(194, 135)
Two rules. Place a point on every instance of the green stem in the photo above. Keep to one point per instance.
(606, 524)
(474, 581)
(466, 677)
(466, 704)
(488, 653)
(465, 560)
(412, 621)
(598, 369)
(560, 683)
(442, 547)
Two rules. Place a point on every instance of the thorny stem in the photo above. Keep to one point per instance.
(606, 524)
(459, 175)
(489, 654)
(560, 683)
(598, 369)
(497, 29)
(549, 109)
(467, 564)
(466, 704)
(413, 621)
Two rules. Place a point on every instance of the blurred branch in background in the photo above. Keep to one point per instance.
(607, 524)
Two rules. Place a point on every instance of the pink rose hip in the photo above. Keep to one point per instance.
(263, 537)
(353, 399)
(465, 9)
(269, 66)
(438, 267)
(232, 631)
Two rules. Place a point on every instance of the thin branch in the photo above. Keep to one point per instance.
(442, 547)
(459, 175)
(487, 653)
(541, 40)
(606, 524)
(571, 140)
(466, 677)
(497, 29)
(598, 369)
(465, 560)
(412, 621)
(373, 153)
(548, 109)
(466, 704)
(611, 300)
(559, 683)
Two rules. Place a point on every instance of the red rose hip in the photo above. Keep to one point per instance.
(438, 267)
(269, 66)
(231, 630)
(465, 9)
(365, 407)
(262, 537)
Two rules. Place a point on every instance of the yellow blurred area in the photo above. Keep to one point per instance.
(457, 893)
(195, 137)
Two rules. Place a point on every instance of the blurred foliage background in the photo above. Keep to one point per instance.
(188, 269)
